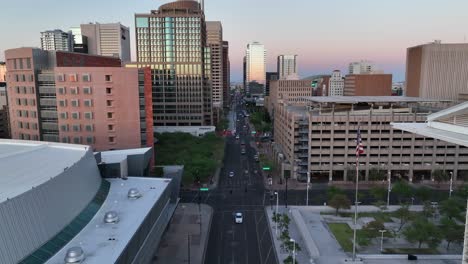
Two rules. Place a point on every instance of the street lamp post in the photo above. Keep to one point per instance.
(389, 187)
(294, 250)
(277, 202)
(451, 184)
(308, 183)
(381, 239)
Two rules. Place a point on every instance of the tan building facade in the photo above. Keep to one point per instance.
(2, 72)
(437, 70)
(321, 139)
(368, 85)
(288, 90)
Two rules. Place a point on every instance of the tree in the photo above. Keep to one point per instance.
(452, 207)
(376, 175)
(339, 201)
(423, 231)
(423, 193)
(462, 192)
(451, 232)
(378, 193)
(428, 210)
(332, 191)
(402, 190)
(440, 176)
(404, 215)
(283, 224)
(289, 260)
(372, 228)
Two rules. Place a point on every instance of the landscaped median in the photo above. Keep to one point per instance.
(200, 156)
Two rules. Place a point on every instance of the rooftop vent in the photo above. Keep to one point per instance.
(74, 255)
(134, 193)
(111, 217)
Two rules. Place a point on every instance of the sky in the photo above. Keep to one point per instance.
(325, 34)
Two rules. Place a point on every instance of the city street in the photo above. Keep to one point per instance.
(250, 241)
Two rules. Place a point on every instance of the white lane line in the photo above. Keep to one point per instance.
(258, 242)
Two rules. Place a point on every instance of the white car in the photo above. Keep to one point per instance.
(237, 136)
(231, 174)
(238, 218)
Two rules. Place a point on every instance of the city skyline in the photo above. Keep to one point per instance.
(325, 46)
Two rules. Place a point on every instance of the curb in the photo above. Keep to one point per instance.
(207, 233)
(272, 235)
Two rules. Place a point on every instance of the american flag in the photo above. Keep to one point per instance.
(359, 146)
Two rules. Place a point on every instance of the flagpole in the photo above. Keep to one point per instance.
(359, 150)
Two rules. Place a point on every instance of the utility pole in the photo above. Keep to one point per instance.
(308, 183)
(389, 187)
(381, 239)
(277, 202)
(451, 184)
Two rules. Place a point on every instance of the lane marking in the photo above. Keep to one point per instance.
(258, 242)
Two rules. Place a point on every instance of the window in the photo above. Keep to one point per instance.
(89, 140)
(20, 124)
(111, 139)
(87, 90)
(89, 128)
(64, 127)
(110, 102)
(76, 128)
(86, 77)
(75, 103)
(34, 126)
(64, 115)
(108, 90)
(88, 115)
(110, 127)
(60, 78)
(110, 115)
(74, 90)
(76, 115)
(32, 102)
(77, 140)
(62, 90)
(72, 78)
(88, 102)
(108, 78)
(66, 140)
(63, 103)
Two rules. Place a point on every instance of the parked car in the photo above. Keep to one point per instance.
(231, 174)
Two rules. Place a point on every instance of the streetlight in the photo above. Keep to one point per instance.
(294, 250)
(381, 239)
(277, 202)
(451, 184)
(389, 187)
(308, 183)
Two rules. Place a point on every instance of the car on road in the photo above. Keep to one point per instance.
(237, 136)
(231, 174)
(256, 158)
(242, 151)
(238, 218)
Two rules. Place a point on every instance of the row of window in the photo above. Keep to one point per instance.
(19, 64)
(76, 102)
(77, 115)
(75, 90)
(28, 136)
(24, 90)
(27, 125)
(26, 114)
(73, 77)
(25, 101)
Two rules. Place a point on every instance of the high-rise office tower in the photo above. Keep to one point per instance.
(226, 75)
(80, 42)
(56, 40)
(438, 71)
(287, 67)
(255, 60)
(270, 76)
(172, 41)
(361, 67)
(214, 31)
(111, 39)
(336, 84)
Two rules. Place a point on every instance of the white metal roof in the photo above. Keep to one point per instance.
(424, 130)
(94, 238)
(27, 164)
(115, 156)
(367, 99)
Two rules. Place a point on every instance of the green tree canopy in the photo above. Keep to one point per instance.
(452, 207)
(339, 201)
(404, 215)
(451, 232)
(423, 231)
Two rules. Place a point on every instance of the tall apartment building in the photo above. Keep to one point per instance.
(287, 67)
(56, 40)
(321, 139)
(361, 67)
(214, 31)
(270, 76)
(78, 98)
(4, 119)
(336, 84)
(437, 70)
(80, 42)
(2, 71)
(368, 85)
(173, 42)
(226, 75)
(110, 39)
(292, 91)
(255, 64)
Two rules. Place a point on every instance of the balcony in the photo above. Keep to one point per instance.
(48, 102)
(47, 90)
(49, 114)
(50, 126)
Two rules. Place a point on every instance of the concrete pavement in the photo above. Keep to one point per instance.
(185, 230)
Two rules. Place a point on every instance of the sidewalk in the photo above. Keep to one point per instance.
(185, 223)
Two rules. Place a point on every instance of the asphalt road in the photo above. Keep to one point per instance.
(230, 243)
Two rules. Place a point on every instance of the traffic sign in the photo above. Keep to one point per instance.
(204, 189)
(253, 132)
(266, 168)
